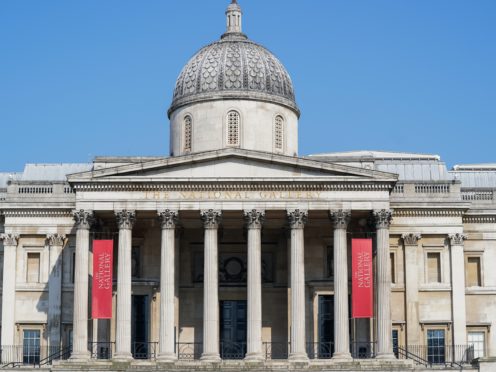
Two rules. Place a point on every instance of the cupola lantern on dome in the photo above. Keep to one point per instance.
(233, 74)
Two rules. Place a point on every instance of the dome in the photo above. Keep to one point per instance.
(234, 68)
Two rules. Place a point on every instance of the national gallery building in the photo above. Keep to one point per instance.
(236, 252)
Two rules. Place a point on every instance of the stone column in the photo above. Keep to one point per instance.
(458, 289)
(384, 329)
(168, 220)
(84, 220)
(254, 220)
(8, 291)
(56, 243)
(410, 244)
(340, 220)
(297, 220)
(125, 221)
(211, 220)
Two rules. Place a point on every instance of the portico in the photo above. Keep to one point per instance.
(233, 219)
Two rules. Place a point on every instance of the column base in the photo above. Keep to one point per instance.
(386, 356)
(123, 357)
(341, 357)
(210, 358)
(300, 357)
(254, 358)
(80, 357)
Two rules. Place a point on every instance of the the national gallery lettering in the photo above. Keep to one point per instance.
(236, 252)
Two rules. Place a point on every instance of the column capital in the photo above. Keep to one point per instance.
(340, 218)
(84, 219)
(9, 239)
(254, 218)
(411, 238)
(211, 218)
(297, 218)
(382, 218)
(55, 239)
(457, 239)
(125, 219)
(168, 218)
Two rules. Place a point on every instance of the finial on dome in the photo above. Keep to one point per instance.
(234, 18)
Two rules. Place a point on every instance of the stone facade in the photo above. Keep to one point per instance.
(243, 252)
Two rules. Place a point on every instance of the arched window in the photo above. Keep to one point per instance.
(188, 123)
(233, 120)
(279, 133)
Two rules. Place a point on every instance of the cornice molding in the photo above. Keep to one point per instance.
(479, 219)
(239, 186)
(38, 213)
(428, 212)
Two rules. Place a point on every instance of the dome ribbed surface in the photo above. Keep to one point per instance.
(234, 68)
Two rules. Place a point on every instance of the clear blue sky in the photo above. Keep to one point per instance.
(95, 77)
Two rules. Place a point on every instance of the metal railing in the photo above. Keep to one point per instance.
(189, 350)
(362, 349)
(320, 350)
(101, 349)
(276, 350)
(31, 355)
(232, 350)
(145, 350)
(437, 355)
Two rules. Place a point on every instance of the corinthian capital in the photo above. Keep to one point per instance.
(254, 218)
(125, 219)
(55, 239)
(84, 219)
(340, 218)
(211, 218)
(168, 218)
(9, 239)
(382, 218)
(457, 239)
(411, 238)
(297, 218)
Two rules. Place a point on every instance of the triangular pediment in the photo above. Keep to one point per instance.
(230, 164)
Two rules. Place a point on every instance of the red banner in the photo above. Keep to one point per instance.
(362, 278)
(102, 279)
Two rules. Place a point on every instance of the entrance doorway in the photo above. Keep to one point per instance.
(232, 329)
(326, 326)
(140, 318)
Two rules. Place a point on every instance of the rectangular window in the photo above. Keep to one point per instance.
(473, 272)
(477, 341)
(31, 346)
(393, 267)
(434, 267)
(435, 346)
(33, 268)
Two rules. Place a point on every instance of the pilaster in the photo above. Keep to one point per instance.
(410, 247)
